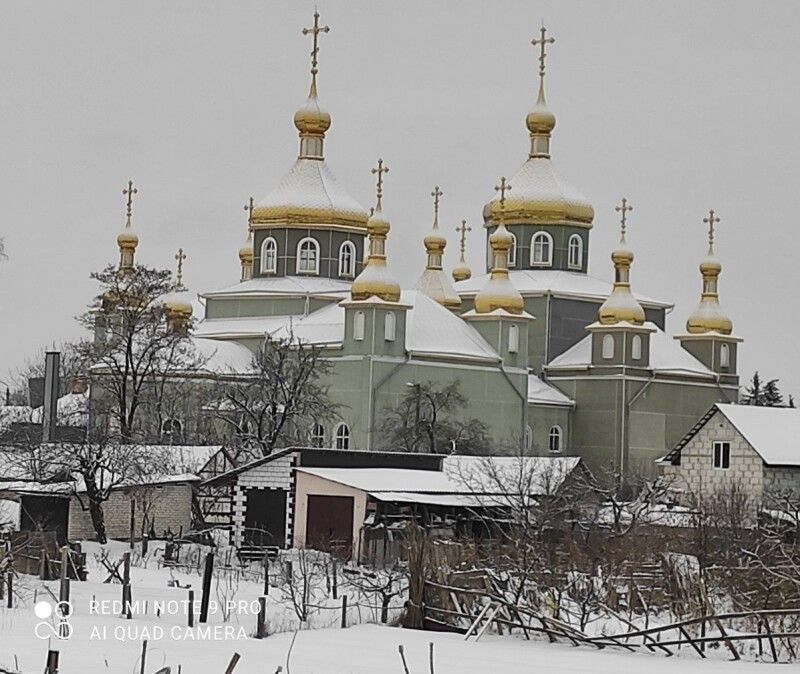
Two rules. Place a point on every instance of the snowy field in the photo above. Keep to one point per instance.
(103, 641)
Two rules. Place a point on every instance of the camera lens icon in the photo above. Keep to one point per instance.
(43, 610)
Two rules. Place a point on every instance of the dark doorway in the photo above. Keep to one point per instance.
(329, 524)
(265, 518)
(45, 513)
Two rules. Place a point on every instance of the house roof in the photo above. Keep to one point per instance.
(773, 432)
(542, 393)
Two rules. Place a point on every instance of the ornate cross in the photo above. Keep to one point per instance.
(711, 220)
(542, 43)
(462, 230)
(249, 208)
(380, 170)
(129, 192)
(315, 31)
(624, 208)
(436, 194)
(180, 257)
(503, 187)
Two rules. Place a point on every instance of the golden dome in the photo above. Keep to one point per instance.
(499, 292)
(709, 316)
(621, 306)
(311, 119)
(461, 272)
(178, 304)
(434, 242)
(127, 238)
(246, 251)
(376, 279)
(540, 120)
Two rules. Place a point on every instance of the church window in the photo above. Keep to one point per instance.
(555, 438)
(358, 326)
(608, 347)
(575, 251)
(528, 437)
(724, 356)
(389, 326)
(347, 259)
(722, 455)
(171, 431)
(342, 435)
(636, 347)
(269, 256)
(318, 436)
(512, 252)
(308, 256)
(542, 249)
(513, 338)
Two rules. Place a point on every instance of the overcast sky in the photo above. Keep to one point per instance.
(679, 106)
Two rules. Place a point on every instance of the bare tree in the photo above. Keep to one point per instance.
(286, 394)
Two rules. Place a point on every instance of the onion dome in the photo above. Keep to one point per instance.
(540, 195)
(462, 272)
(127, 239)
(375, 280)
(434, 282)
(709, 316)
(499, 292)
(621, 306)
(177, 305)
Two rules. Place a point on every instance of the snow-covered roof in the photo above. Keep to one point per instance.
(223, 357)
(36, 487)
(267, 286)
(532, 282)
(310, 193)
(542, 393)
(72, 410)
(773, 432)
(666, 356)
(250, 326)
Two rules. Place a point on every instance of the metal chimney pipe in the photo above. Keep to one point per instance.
(51, 388)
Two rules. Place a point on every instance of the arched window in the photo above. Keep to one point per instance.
(724, 355)
(513, 338)
(358, 326)
(512, 252)
(608, 346)
(636, 347)
(542, 249)
(269, 256)
(555, 438)
(308, 256)
(347, 259)
(171, 431)
(318, 436)
(575, 251)
(389, 326)
(342, 436)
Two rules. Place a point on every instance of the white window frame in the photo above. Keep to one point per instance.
(347, 248)
(609, 346)
(513, 338)
(724, 355)
(266, 268)
(549, 239)
(575, 245)
(721, 454)
(341, 436)
(636, 347)
(557, 435)
(512, 252)
(315, 247)
(318, 435)
(390, 326)
(359, 321)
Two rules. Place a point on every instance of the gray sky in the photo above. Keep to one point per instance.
(679, 106)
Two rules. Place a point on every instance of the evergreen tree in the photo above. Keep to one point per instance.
(763, 394)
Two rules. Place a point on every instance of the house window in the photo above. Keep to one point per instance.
(389, 326)
(513, 338)
(318, 436)
(555, 439)
(636, 347)
(347, 259)
(575, 251)
(722, 455)
(542, 249)
(724, 356)
(308, 256)
(358, 326)
(512, 252)
(171, 430)
(342, 435)
(608, 347)
(269, 256)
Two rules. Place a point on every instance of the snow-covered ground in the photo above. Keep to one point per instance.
(106, 642)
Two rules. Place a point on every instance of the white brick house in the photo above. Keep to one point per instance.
(754, 448)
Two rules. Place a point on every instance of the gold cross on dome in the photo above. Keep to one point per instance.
(711, 220)
(503, 187)
(542, 43)
(180, 257)
(624, 208)
(462, 230)
(436, 194)
(129, 192)
(380, 170)
(249, 208)
(315, 30)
